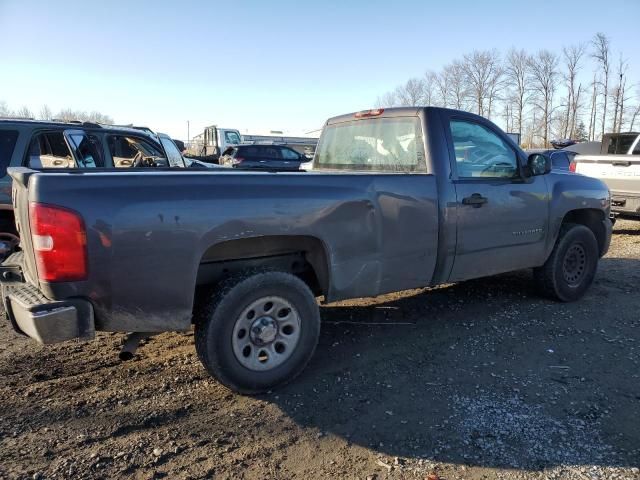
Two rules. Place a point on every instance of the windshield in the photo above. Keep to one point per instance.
(232, 137)
(379, 144)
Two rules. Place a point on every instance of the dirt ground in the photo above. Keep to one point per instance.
(477, 380)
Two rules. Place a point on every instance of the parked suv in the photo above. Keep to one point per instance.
(277, 157)
(63, 145)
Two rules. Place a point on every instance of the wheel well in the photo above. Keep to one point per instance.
(592, 219)
(304, 256)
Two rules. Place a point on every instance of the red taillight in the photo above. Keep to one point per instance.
(572, 167)
(59, 241)
(370, 113)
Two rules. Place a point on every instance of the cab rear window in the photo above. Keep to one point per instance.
(379, 144)
(8, 140)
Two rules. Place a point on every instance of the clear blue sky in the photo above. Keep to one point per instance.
(267, 64)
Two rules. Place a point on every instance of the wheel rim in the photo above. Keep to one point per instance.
(574, 265)
(266, 333)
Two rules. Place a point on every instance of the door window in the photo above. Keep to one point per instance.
(49, 150)
(481, 153)
(289, 154)
(271, 152)
(173, 154)
(129, 151)
(87, 148)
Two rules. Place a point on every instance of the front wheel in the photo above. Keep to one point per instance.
(258, 330)
(572, 265)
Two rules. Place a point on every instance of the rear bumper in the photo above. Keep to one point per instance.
(44, 320)
(625, 203)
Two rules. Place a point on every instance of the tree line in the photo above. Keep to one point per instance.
(64, 115)
(542, 96)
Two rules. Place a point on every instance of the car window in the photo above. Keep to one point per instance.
(128, 151)
(231, 137)
(229, 151)
(49, 150)
(271, 152)
(7, 144)
(87, 148)
(481, 153)
(621, 144)
(636, 149)
(378, 144)
(173, 154)
(248, 152)
(289, 154)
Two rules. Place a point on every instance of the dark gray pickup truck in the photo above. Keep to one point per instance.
(396, 199)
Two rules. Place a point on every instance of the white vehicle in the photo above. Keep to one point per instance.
(618, 166)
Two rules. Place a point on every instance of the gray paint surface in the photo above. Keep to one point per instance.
(148, 231)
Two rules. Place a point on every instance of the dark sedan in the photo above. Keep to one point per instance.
(278, 157)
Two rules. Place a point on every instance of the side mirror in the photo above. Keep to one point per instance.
(538, 164)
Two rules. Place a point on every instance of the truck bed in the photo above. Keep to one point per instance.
(152, 235)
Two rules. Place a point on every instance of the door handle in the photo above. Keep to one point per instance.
(475, 200)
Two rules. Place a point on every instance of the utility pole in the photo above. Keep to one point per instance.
(188, 137)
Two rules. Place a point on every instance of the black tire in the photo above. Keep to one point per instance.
(572, 265)
(216, 329)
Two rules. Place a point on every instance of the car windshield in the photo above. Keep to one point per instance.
(380, 144)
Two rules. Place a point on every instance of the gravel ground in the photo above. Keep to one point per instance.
(477, 380)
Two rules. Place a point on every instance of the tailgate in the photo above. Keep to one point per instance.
(20, 201)
(621, 173)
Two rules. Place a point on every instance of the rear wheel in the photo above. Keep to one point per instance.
(258, 330)
(572, 265)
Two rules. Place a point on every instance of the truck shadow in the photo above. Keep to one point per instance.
(480, 373)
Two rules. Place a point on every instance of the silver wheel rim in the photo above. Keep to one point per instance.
(266, 333)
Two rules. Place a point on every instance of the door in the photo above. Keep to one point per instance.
(502, 217)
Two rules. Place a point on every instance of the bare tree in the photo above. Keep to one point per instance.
(495, 86)
(73, 115)
(45, 113)
(592, 115)
(600, 53)
(442, 87)
(4, 109)
(429, 87)
(23, 112)
(543, 69)
(411, 93)
(458, 87)
(389, 99)
(517, 72)
(634, 116)
(617, 94)
(572, 56)
(481, 72)
(96, 117)
(574, 111)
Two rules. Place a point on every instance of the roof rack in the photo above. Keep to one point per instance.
(10, 117)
